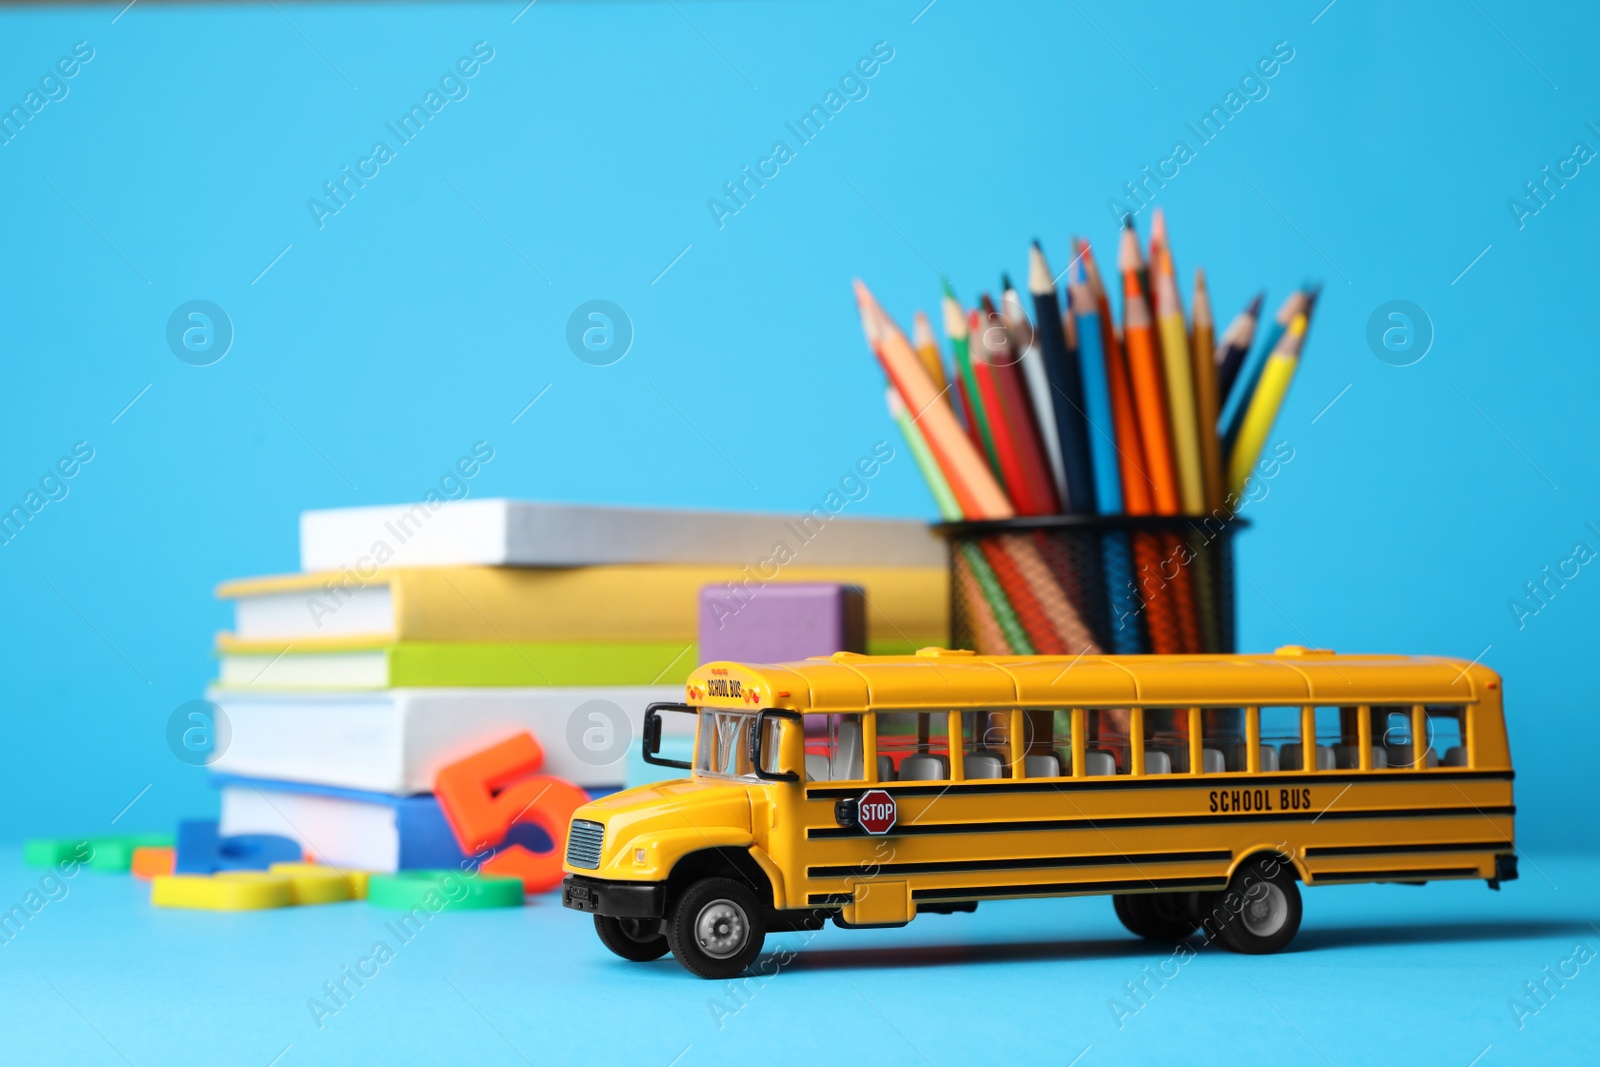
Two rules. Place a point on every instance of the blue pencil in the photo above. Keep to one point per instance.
(1116, 553)
(1096, 392)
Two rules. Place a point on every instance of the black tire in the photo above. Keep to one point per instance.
(717, 928)
(1260, 910)
(1157, 916)
(639, 940)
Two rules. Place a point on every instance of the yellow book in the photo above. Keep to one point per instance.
(634, 602)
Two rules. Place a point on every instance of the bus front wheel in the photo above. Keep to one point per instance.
(1261, 908)
(717, 928)
(1157, 916)
(638, 940)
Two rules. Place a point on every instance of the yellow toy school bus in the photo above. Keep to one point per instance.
(1197, 790)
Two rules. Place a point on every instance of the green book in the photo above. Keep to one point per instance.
(448, 664)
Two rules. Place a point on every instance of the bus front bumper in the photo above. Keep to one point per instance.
(616, 900)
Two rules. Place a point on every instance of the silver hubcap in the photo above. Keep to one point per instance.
(720, 929)
(1266, 915)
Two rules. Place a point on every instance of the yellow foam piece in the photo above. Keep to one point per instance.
(228, 891)
(313, 883)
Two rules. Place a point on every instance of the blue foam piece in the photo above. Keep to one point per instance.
(201, 850)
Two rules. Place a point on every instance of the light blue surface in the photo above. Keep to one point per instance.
(1377, 974)
(428, 313)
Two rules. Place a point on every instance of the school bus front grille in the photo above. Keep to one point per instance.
(584, 843)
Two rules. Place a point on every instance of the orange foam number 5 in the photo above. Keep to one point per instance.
(486, 794)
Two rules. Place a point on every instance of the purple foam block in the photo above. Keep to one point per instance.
(781, 621)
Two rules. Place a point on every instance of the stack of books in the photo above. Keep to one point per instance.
(416, 636)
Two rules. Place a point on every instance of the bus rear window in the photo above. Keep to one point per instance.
(1447, 735)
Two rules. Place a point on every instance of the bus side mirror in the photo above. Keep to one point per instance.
(759, 748)
(650, 736)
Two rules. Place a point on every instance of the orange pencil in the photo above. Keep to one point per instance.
(1206, 393)
(1144, 376)
(979, 495)
(1173, 623)
(1138, 488)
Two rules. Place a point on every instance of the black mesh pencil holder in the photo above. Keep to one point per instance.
(1122, 584)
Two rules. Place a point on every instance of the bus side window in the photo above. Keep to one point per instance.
(1107, 749)
(1330, 738)
(1280, 739)
(1222, 740)
(1166, 740)
(1048, 735)
(1391, 731)
(1447, 735)
(1342, 733)
(833, 748)
(913, 746)
(986, 744)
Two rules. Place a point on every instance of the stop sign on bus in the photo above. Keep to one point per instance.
(875, 811)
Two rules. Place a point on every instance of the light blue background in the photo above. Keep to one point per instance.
(379, 348)
(428, 313)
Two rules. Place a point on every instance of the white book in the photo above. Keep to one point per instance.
(341, 831)
(522, 533)
(396, 740)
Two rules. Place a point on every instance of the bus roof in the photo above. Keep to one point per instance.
(935, 678)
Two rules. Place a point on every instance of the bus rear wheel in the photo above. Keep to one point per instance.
(1261, 908)
(1157, 916)
(639, 940)
(717, 928)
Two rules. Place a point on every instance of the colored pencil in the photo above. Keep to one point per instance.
(1179, 376)
(1092, 361)
(928, 348)
(1033, 372)
(1122, 597)
(1019, 421)
(1235, 345)
(1264, 405)
(1206, 393)
(1007, 462)
(1137, 487)
(979, 495)
(955, 328)
(938, 484)
(1145, 378)
(1066, 386)
(979, 609)
(1244, 385)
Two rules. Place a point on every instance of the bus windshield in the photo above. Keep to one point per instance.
(722, 746)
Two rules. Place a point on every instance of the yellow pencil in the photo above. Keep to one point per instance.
(1174, 334)
(1264, 405)
(928, 349)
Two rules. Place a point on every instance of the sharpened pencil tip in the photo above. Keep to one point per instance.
(1005, 281)
(945, 287)
(1254, 310)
